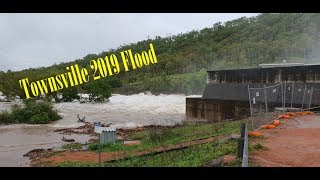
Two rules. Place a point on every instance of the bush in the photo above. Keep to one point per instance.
(70, 94)
(48, 108)
(41, 118)
(99, 90)
(18, 114)
(115, 83)
(33, 112)
(6, 118)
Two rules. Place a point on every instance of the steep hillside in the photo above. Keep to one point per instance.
(183, 58)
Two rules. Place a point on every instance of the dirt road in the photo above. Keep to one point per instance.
(295, 143)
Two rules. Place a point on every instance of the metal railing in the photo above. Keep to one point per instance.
(245, 155)
(268, 101)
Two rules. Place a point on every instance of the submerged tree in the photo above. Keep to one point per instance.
(70, 94)
(99, 90)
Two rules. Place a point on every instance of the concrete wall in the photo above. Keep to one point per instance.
(226, 92)
(216, 110)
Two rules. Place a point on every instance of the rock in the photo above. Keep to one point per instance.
(37, 152)
(234, 136)
(221, 161)
(229, 159)
(216, 162)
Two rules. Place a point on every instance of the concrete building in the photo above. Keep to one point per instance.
(226, 93)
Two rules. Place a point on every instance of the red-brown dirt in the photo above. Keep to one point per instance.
(295, 143)
(80, 156)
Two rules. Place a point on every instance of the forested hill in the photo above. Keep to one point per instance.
(184, 58)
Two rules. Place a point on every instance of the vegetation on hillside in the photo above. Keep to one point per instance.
(243, 42)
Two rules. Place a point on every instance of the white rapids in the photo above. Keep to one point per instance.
(122, 111)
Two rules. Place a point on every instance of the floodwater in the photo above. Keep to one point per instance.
(122, 111)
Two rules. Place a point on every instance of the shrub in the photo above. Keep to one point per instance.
(32, 112)
(18, 114)
(6, 118)
(41, 118)
(49, 109)
(99, 91)
(70, 94)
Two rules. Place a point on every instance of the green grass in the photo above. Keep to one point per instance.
(194, 156)
(155, 137)
(72, 146)
(118, 146)
(191, 157)
(257, 147)
(77, 164)
(163, 136)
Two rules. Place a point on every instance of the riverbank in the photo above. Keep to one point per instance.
(190, 144)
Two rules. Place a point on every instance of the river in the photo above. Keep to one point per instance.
(122, 111)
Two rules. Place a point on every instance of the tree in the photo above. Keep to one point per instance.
(243, 42)
(98, 90)
(70, 94)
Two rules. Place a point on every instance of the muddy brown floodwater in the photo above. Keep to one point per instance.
(16, 140)
(123, 111)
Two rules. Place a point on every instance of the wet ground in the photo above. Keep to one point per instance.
(295, 143)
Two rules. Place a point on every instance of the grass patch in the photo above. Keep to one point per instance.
(194, 156)
(163, 136)
(257, 147)
(77, 164)
(72, 146)
(155, 137)
(187, 132)
(118, 146)
(191, 157)
(256, 137)
(159, 134)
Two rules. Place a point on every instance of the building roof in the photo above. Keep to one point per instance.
(272, 66)
(228, 91)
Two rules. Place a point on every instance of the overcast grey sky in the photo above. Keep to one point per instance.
(33, 40)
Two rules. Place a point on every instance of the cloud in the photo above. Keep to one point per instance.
(33, 40)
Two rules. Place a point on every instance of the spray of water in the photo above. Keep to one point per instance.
(126, 111)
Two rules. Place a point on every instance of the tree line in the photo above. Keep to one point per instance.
(184, 58)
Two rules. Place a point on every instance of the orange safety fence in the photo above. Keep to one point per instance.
(276, 122)
(254, 134)
(283, 116)
(269, 126)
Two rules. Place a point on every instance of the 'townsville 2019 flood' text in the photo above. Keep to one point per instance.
(102, 67)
